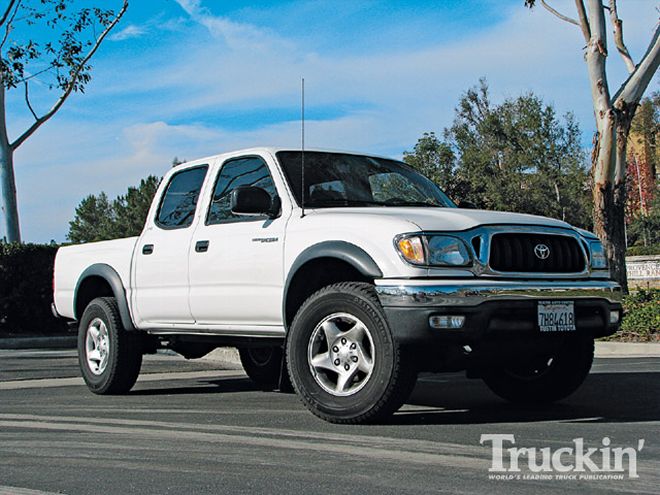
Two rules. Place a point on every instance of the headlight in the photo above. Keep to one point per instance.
(598, 257)
(412, 249)
(433, 250)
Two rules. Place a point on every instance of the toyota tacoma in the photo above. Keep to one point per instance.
(343, 275)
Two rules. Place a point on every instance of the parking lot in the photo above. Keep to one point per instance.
(194, 427)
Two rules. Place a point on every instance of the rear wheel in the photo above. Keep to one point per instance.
(110, 357)
(547, 378)
(343, 361)
(263, 365)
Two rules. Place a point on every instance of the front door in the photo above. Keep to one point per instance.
(236, 262)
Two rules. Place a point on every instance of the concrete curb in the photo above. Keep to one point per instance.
(228, 356)
(54, 342)
(627, 349)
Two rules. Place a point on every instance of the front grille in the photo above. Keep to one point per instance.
(516, 253)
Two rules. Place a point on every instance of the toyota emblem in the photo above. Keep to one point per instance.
(542, 251)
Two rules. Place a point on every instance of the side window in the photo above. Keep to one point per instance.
(177, 208)
(250, 171)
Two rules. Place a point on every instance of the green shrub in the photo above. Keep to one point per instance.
(641, 321)
(26, 290)
(643, 250)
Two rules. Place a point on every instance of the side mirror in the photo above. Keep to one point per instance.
(468, 205)
(253, 201)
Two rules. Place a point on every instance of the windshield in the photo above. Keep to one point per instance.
(339, 179)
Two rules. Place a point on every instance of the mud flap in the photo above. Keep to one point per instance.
(284, 383)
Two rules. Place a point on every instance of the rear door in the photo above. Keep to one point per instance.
(236, 262)
(161, 256)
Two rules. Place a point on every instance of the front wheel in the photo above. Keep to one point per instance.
(546, 379)
(110, 357)
(342, 358)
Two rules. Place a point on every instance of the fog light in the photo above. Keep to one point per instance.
(615, 316)
(446, 321)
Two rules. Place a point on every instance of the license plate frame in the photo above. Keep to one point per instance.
(556, 316)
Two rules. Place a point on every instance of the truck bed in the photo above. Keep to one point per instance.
(72, 261)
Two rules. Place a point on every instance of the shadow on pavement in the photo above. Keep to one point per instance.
(453, 399)
(603, 398)
(219, 386)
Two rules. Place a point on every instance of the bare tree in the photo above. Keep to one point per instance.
(61, 64)
(613, 113)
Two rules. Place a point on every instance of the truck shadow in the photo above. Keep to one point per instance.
(603, 398)
(450, 398)
(219, 386)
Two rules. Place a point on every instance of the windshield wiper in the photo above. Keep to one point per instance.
(340, 202)
(413, 203)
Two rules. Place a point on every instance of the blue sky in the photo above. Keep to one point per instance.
(191, 78)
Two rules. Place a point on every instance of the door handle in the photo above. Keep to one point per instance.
(202, 246)
(147, 249)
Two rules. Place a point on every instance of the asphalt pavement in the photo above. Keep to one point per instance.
(193, 427)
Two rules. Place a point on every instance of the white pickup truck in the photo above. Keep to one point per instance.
(347, 279)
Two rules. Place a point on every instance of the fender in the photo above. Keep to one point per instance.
(345, 251)
(111, 276)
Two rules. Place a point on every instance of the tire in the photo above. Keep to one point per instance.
(110, 361)
(342, 331)
(548, 379)
(263, 365)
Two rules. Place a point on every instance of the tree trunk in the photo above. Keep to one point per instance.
(8, 208)
(609, 192)
(609, 225)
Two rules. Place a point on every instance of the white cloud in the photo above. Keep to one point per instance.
(237, 35)
(129, 32)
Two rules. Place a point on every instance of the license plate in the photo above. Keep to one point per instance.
(556, 316)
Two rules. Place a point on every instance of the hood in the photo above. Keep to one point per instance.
(446, 219)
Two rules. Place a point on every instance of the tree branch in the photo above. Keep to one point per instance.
(633, 88)
(16, 4)
(7, 11)
(596, 57)
(561, 16)
(584, 22)
(27, 101)
(71, 84)
(38, 73)
(618, 37)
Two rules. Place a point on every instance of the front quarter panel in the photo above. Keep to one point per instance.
(373, 234)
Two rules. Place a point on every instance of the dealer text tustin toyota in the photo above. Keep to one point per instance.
(350, 279)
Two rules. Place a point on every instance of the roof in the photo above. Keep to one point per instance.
(273, 150)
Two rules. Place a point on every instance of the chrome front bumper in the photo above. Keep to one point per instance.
(472, 292)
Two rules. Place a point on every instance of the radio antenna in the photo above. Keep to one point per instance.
(302, 148)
